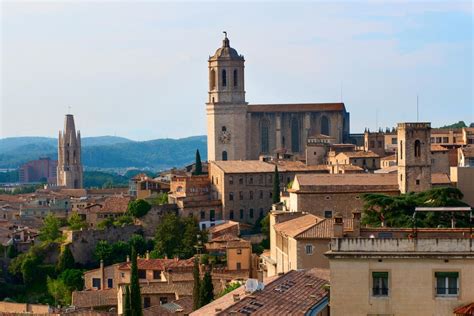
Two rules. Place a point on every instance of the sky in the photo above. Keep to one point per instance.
(139, 69)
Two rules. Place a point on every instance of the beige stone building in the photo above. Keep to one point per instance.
(237, 130)
(69, 171)
(367, 160)
(387, 276)
(466, 156)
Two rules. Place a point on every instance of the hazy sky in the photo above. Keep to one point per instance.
(139, 69)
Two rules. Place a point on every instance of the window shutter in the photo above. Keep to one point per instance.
(446, 274)
(380, 274)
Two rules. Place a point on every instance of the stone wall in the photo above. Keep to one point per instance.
(150, 221)
(83, 243)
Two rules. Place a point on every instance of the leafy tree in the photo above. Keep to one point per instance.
(230, 287)
(50, 232)
(127, 308)
(189, 237)
(120, 251)
(206, 293)
(59, 290)
(106, 223)
(197, 284)
(135, 296)
(29, 270)
(397, 211)
(138, 208)
(198, 166)
(65, 260)
(160, 199)
(123, 220)
(11, 251)
(459, 124)
(103, 251)
(276, 186)
(138, 243)
(73, 279)
(75, 222)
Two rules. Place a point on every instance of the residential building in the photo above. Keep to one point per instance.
(367, 160)
(466, 156)
(142, 187)
(40, 170)
(375, 142)
(109, 208)
(236, 251)
(393, 276)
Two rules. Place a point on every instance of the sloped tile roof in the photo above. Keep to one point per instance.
(297, 225)
(95, 298)
(158, 264)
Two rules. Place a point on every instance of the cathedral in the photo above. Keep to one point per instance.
(69, 171)
(237, 130)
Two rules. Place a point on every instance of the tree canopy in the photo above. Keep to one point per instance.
(138, 208)
(50, 232)
(397, 211)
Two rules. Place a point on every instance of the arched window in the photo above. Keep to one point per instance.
(401, 149)
(325, 128)
(231, 214)
(417, 148)
(212, 79)
(295, 135)
(264, 136)
(235, 78)
(224, 155)
(224, 78)
(224, 128)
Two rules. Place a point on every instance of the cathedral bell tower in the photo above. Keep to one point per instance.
(69, 172)
(226, 106)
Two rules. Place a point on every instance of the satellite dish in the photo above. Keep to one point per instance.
(251, 285)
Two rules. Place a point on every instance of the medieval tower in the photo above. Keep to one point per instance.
(226, 106)
(414, 157)
(69, 156)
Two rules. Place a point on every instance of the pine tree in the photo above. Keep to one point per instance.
(127, 309)
(197, 284)
(206, 293)
(276, 186)
(198, 167)
(66, 260)
(135, 296)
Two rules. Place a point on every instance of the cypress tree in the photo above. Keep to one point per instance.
(127, 309)
(197, 284)
(135, 296)
(206, 293)
(276, 186)
(198, 167)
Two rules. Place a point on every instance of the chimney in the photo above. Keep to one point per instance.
(260, 275)
(338, 226)
(236, 297)
(102, 275)
(170, 278)
(147, 256)
(128, 258)
(356, 215)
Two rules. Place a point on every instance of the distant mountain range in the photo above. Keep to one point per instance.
(108, 152)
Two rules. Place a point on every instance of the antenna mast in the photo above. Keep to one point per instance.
(417, 110)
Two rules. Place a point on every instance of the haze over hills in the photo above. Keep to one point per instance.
(107, 152)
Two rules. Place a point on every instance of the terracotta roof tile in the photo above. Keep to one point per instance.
(468, 151)
(359, 154)
(96, 298)
(297, 225)
(437, 147)
(385, 181)
(440, 178)
(158, 264)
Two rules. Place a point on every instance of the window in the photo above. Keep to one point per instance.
(379, 144)
(241, 213)
(251, 180)
(394, 141)
(203, 215)
(96, 283)
(447, 283)
(417, 181)
(261, 213)
(212, 79)
(142, 274)
(445, 140)
(264, 132)
(224, 128)
(241, 195)
(231, 180)
(212, 215)
(110, 283)
(260, 179)
(231, 196)
(241, 180)
(235, 78)
(251, 213)
(327, 214)
(295, 135)
(380, 283)
(231, 214)
(156, 274)
(224, 155)
(239, 266)
(239, 251)
(309, 249)
(372, 144)
(261, 194)
(163, 300)
(250, 195)
(417, 148)
(146, 302)
(224, 78)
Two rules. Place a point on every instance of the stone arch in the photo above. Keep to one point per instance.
(417, 148)
(295, 135)
(212, 79)
(264, 136)
(325, 125)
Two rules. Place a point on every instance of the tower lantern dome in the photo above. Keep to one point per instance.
(226, 52)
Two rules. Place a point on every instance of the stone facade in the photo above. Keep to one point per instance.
(69, 171)
(414, 157)
(239, 131)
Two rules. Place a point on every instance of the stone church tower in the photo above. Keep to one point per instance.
(69, 156)
(226, 106)
(414, 157)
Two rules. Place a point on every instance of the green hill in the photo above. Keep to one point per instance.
(107, 151)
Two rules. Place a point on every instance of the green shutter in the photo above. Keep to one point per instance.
(380, 274)
(446, 274)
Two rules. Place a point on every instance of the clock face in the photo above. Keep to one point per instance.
(225, 137)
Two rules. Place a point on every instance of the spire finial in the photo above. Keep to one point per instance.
(225, 42)
(225, 34)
